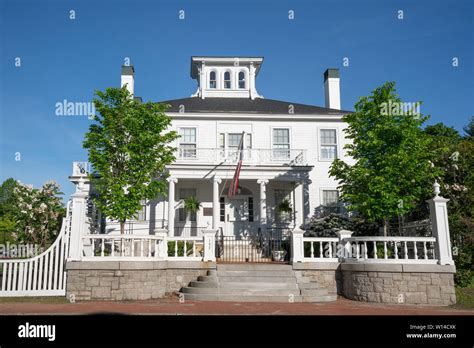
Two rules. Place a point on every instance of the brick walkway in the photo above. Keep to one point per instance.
(171, 306)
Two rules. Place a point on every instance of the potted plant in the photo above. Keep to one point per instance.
(285, 206)
(191, 204)
(280, 254)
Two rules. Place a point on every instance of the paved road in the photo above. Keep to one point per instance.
(171, 306)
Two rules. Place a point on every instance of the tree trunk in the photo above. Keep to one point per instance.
(385, 227)
(122, 231)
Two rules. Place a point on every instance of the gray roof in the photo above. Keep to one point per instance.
(247, 105)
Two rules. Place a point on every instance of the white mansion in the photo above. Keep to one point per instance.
(243, 244)
(287, 150)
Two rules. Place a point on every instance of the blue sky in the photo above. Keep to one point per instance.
(69, 59)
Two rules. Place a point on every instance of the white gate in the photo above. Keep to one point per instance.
(42, 275)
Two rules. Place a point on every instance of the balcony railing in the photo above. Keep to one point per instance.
(81, 168)
(292, 157)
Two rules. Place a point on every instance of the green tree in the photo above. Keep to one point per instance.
(7, 209)
(128, 148)
(393, 172)
(455, 156)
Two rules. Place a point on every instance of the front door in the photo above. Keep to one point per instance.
(237, 218)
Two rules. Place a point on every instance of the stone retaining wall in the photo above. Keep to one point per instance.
(130, 280)
(328, 275)
(399, 284)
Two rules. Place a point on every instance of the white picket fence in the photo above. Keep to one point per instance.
(42, 275)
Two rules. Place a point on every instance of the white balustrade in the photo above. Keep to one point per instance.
(394, 249)
(292, 157)
(320, 249)
(136, 247)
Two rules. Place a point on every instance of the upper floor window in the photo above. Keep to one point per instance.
(227, 80)
(281, 143)
(187, 142)
(328, 144)
(241, 80)
(212, 80)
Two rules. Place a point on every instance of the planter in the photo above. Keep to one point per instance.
(279, 255)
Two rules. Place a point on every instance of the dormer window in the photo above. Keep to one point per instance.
(241, 80)
(227, 80)
(212, 80)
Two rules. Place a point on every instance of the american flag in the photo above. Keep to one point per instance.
(234, 185)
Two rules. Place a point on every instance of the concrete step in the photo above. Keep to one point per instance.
(236, 298)
(253, 267)
(324, 298)
(255, 273)
(314, 292)
(212, 272)
(311, 285)
(254, 279)
(241, 292)
(240, 285)
(207, 279)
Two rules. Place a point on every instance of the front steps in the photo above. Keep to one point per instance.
(255, 283)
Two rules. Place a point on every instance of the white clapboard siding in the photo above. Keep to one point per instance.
(42, 275)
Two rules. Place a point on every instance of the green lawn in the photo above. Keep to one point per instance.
(46, 299)
(464, 298)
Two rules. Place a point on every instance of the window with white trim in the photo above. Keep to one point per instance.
(330, 200)
(328, 139)
(241, 80)
(187, 142)
(212, 80)
(227, 83)
(141, 213)
(281, 143)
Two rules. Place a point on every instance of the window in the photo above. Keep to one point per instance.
(227, 80)
(328, 144)
(222, 209)
(183, 214)
(331, 201)
(250, 207)
(187, 143)
(212, 80)
(241, 80)
(281, 143)
(280, 196)
(141, 214)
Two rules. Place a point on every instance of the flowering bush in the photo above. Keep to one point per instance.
(38, 213)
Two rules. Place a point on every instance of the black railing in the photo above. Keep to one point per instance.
(268, 246)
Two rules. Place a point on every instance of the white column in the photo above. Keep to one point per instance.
(78, 220)
(209, 237)
(171, 204)
(263, 203)
(297, 250)
(163, 245)
(440, 226)
(252, 89)
(215, 202)
(202, 80)
(299, 205)
(346, 251)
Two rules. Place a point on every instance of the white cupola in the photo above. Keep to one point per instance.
(226, 77)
